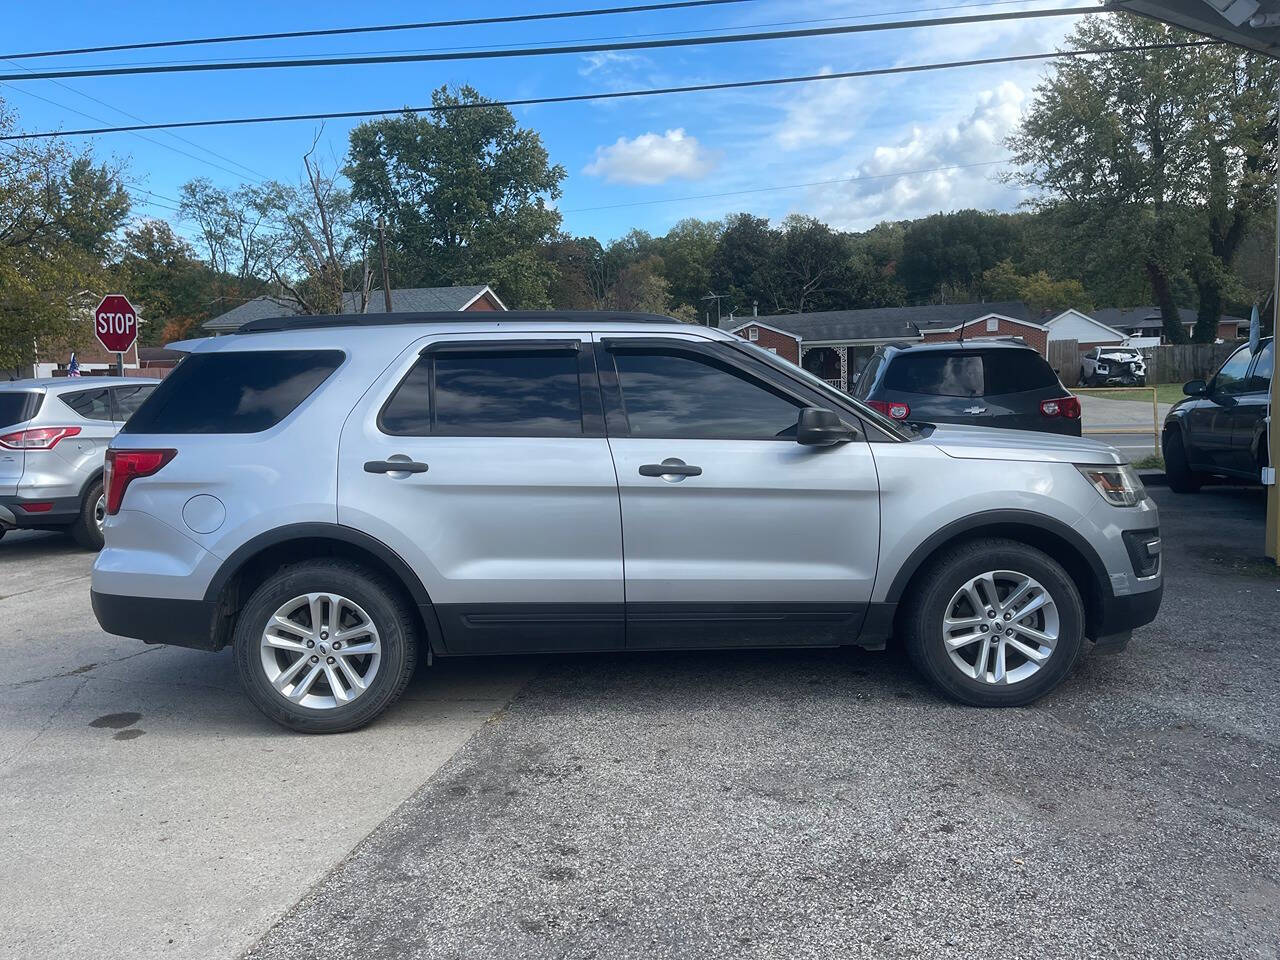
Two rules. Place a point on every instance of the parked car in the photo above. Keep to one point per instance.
(1220, 429)
(335, 497)
(990, 383)
(1113, 367)
(53, 438)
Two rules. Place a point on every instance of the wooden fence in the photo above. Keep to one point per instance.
(1168, 363)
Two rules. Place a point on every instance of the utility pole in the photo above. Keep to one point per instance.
(1272, 549)
(386, 274)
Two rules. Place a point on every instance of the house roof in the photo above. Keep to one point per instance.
(1145, 318)
(884, 323)
(411, 300)
(1087, 319)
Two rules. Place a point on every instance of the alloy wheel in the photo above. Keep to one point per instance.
(1000, 627)
(100, 512)
(320, 650)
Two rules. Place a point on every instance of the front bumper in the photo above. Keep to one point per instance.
(1120, 616)
(178, 623)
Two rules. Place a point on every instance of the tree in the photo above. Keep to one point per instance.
(465, 195)
(59, 215)
(743, 265)
(687, 251)
(1042, 293)
(170, 286)
(813, 268)
(945, 255)
(240, 233)
(1162, 155)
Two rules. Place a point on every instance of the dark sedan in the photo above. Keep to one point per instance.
(1220, 430)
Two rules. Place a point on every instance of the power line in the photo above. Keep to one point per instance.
(380, 28)
(559, 50)
(140, 136)
(791, 186)
(619, 94)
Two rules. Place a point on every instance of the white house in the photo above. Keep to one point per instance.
(1084, 329)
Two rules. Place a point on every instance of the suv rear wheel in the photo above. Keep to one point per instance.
(995, 623)
(325, 646)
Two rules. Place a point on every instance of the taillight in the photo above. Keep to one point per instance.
(1068, 407)
(40, 438)
(125, 466)
(894, 410)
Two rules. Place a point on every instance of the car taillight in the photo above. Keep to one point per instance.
(894, 410)
(40, 438)
(1068, 407)
(125, 466)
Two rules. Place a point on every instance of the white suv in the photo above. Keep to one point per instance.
(332, 495)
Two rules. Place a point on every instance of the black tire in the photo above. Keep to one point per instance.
(85, 530)
(1182, 479)
(931, 592)
(3, 531)
(385, 607)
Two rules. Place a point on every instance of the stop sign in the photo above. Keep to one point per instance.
(115, 323)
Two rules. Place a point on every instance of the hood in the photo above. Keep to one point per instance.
(966, 442)
(1125, 355)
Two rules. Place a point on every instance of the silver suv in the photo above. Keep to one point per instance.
(335, 497)
(53, 436)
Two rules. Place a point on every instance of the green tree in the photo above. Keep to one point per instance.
(169, 285)
(1041, 292)
(743, 266)
(59, 215)
(1161, 157)
(465, 194)
(945, 255)
(687, 251)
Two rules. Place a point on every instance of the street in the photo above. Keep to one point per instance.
(765, 804)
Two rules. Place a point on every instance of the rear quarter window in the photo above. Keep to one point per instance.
(18, 405)
(239, 391)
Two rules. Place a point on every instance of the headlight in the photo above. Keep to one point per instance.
(1119, 486)
(1103, 368)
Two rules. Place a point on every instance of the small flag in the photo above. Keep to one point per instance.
(1255, 330)
(73, 368)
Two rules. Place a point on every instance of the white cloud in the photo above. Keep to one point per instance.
(652, 158)
(822, 113)
(898, 191)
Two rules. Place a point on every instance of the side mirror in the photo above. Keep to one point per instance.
(819, 427)
(1195, 388)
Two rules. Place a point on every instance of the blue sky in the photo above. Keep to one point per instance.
(636, 163)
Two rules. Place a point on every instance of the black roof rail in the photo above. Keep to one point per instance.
(313, 322)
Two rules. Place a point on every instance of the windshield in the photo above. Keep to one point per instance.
(817, 383)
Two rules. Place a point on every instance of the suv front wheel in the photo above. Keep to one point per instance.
(325, 646)
(995, 623)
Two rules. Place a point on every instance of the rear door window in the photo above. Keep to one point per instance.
(522, 391)
(237, 391)
(18, 405)
(90, 404)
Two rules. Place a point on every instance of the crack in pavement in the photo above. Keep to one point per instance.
(85, 668)
(44, 727)
(43, 586)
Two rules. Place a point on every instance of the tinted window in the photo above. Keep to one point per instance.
(515, 393)
(677, 395)
(936, 374)
(868, 376)
(1231, 377)
(129, 399)
(1016, 371)
(1260, 379)
(970, 374)
(18, 405)
(239, 391)
(90, 404)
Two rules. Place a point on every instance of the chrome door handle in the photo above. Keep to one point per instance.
(394, 466)
(670, 469)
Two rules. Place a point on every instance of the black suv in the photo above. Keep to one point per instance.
(991, 383)
(1220, 429)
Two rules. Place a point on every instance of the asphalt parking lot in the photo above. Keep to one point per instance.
(790, 804)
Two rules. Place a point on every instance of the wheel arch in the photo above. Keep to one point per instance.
(256, 559)
(1053, 537)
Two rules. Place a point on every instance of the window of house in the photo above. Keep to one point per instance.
(753, 334)
(993, 325)
(669, 394)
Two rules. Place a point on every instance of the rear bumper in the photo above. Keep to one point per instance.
(178, 623)
(62, 512)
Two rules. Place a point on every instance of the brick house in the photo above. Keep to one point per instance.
(834, 344)
(411, 300)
